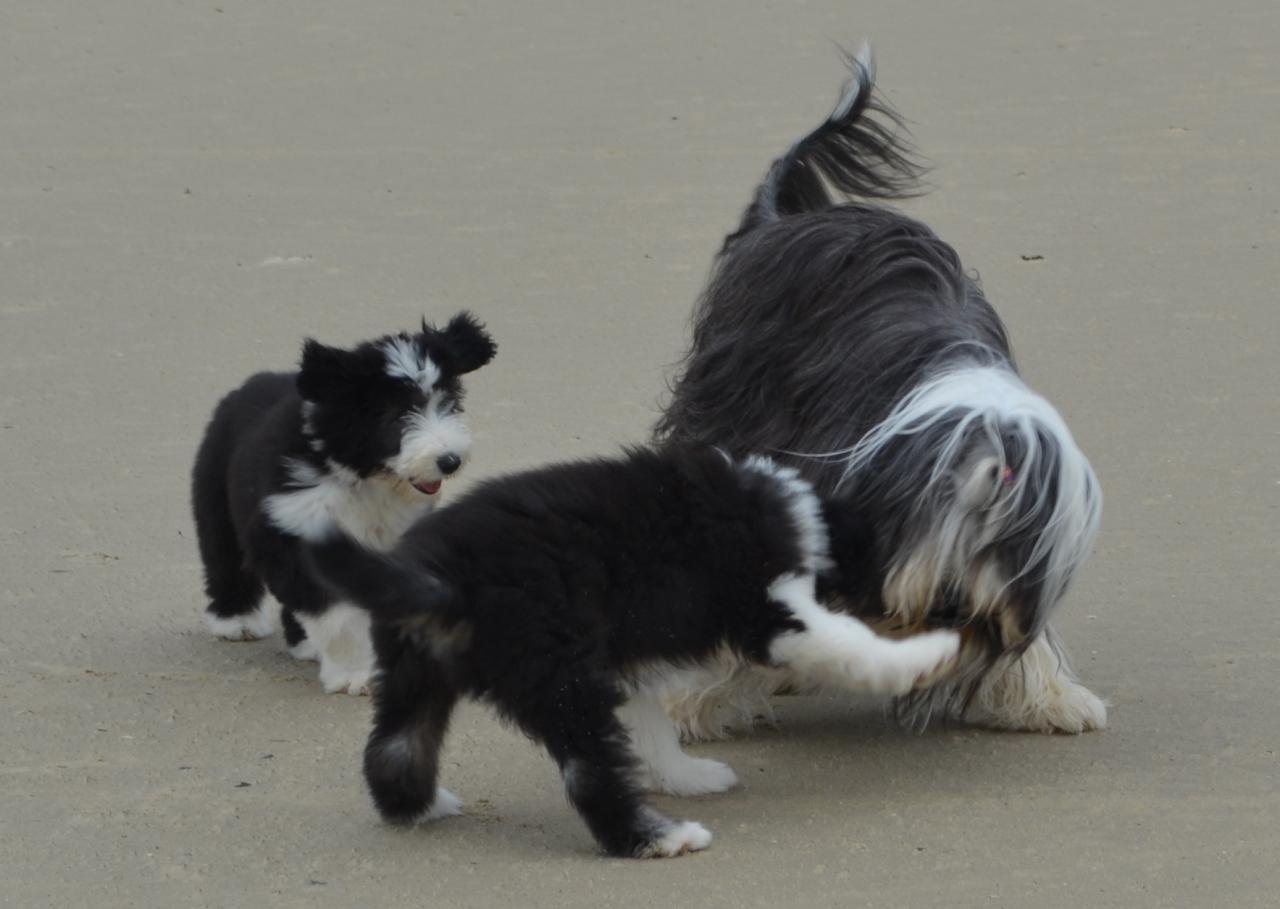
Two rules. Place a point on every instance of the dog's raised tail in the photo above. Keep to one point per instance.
(860, 150)
(382, 583)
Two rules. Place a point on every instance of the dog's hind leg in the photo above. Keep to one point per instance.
(235, 611)
(576, 720)
(1038, 692)
(840, 650)
(413, 702)
(234, 590)
(664, 766)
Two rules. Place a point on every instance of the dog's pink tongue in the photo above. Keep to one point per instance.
(427, 489)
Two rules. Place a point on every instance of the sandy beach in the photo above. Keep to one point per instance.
(188, 190)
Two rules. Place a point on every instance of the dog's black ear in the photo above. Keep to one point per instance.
(326, 372)
(465, 342)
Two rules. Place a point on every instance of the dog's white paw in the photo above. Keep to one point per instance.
(679, 838)
(1073, 709)
(339, 679)
(340, 635)
(1038, 692)
(913, 662)
(305, 650)
(693, 776)
(940, 652)
(248, 627)
(446, 804)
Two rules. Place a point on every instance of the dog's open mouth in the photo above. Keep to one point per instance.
(427, 488)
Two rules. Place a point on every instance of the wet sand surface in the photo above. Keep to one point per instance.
(188, 190)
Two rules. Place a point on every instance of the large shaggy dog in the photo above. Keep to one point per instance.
(846, 340)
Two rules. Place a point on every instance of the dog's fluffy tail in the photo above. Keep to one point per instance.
(387, 586)
(861, 150)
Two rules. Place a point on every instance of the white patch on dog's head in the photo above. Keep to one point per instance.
(1008, 507)
(407, 360)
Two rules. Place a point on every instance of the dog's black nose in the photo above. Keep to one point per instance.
(448, 463)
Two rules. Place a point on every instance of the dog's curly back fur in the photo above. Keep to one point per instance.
(811, 330)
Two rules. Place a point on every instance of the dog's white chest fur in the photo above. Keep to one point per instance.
(376, 511)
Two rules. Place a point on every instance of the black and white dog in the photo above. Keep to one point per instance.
(360, 437)
(847, 341)
(570, 597)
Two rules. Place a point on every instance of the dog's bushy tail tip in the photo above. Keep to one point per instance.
(862, 67)
(861, 151)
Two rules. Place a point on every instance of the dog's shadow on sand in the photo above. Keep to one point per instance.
(825, 756)
(825, 753)
(852, 748)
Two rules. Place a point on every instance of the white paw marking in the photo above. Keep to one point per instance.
(304, 650)
(247, 627)
(338, 679)
(1039, 693)
(842, 650)
(914, 662)
(446, 804)
(686, 836)
(340, 635)
(657, 747)
(695, 776)
(1076, 709)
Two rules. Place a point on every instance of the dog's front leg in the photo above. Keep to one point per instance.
(841, 650)
(341, 637)
(1038, 692)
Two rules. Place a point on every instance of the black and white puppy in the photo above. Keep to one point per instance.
(569, 597)
(847, 341)
(360, 437)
